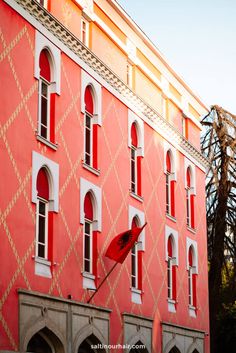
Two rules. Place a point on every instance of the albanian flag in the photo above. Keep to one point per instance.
(122, 244)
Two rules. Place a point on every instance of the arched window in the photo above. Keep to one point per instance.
(172, 261)
(138, 347)
(88, 343)
(42, 222)
(90, 143)
(45, 341)
(171, 271)
(88, 234)
(190, 199)
(192, 276)
(46, 98)
(170, 186)
(135, 162)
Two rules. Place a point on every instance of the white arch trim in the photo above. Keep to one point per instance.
(188, 163)
(135, 339)
(87, 80)
(194, 346)
(85, 187)
(175, 235)
(133, 118)
(192, 243)
(41, 43)
(168, 147)
(87, 331)
(135, 212)
(39, 161)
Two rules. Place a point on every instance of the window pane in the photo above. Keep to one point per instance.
(41, 250)
(87, 247)
(44, 107)
(88, 121)
(87, 228)
(43, 131)
(44, 89)
(167, 195)
(42, 208)
(41, 235)
(87, 139)
(87, 265)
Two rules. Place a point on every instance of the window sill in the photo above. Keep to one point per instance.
(192, 230)
(48, 143)
(136, 295)
(91, 169)
(43, 267)
(172, 218)
(171, 305)
(136, 197)
(192, 311)
(88, 281)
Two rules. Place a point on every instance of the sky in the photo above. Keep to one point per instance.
(198, 39)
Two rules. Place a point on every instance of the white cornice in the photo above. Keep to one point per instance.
(44, 22)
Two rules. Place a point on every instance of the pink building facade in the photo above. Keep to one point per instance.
(84, 157)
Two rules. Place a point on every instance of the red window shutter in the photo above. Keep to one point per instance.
(44, 65)
(168, 162)
(139, 176)
(195, 290)
(169, 247)
(172, 192)
(174, 282)
(88, 207)
(134, 136)
(188, 178)
(190, 257)
(50, 236)
(140, 269)
(95, 255)
(42, 184)
(88, 99)
(95, 146)
(192, 220)
(52, 117)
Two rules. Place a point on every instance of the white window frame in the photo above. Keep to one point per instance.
(191, 270)
(84, 31)
(134, 255)
(90, 236)
(90, 116)
(40, 95)
(190, 287)
(168, 193)
(171, 176)
(133, 160)
(170, 278)
(188, 206)
(45, 202)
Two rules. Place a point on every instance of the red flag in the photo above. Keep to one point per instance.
(122, 244)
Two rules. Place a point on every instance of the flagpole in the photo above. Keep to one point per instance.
(108, 273)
